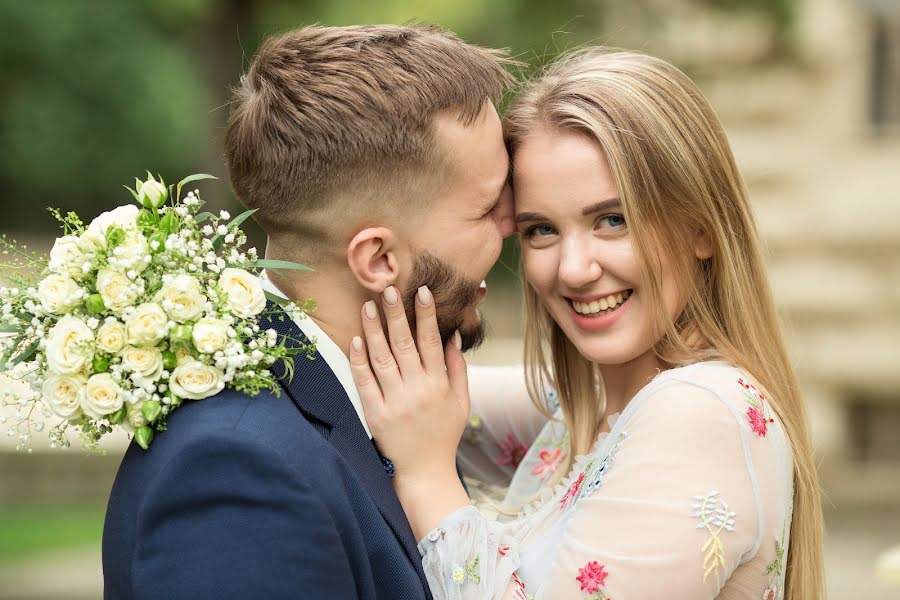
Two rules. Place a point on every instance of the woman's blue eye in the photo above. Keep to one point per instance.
(538, 230)
(614, 221)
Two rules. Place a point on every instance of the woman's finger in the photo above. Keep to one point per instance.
(457, 372)
(369, 391)
(401, 340)
(380, 356)
(428, 335)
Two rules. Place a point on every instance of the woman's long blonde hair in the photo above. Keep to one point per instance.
(677, 181)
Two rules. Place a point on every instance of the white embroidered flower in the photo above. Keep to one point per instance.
(123, 216)
(60, 393)
(101, 396)
(147, 326)
(67, 257)
(210, 335)
(116, 289)
(182, 298)
(243, 291)
(59, 294)
(195, 381)
(145, 364)
(111, 336)
(69, 349)
(459, 575)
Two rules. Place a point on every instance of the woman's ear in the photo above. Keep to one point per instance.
(703, 246)
(372, 256)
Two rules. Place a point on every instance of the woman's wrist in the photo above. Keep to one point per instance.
(429, 500)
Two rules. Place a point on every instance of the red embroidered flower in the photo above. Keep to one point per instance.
(572, 491)
(592, 577)
(771, 593)
(550, 460)
(757, 421)
(519, 592)
(503, 549)
(511, 451)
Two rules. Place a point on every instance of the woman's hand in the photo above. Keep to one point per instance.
(415, 396)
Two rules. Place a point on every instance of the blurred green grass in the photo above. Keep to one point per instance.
(28, 531)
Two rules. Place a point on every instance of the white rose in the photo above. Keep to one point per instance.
(111, 336)
(67, 257)
(195, 381)
(243, 291)
(210, 335)
(61, 394)
(145, 363)
(147, 326)
(132, 253)
(101, 396)
(59, 294)
(116, 289)
(183, 355)
(69, 349)
(123, 216)
(182, 298)
(135, 418)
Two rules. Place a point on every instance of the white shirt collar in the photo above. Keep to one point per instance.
(333, 355)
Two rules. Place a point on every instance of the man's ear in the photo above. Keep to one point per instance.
(703, 246)
(373, 257)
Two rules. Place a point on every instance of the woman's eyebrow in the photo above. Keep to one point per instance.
(608, 204)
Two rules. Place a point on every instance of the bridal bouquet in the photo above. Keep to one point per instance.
(149, 305)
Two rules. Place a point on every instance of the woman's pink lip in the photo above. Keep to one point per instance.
(597, 323)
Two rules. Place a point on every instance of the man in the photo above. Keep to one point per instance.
(375, 154)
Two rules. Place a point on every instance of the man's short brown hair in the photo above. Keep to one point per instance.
(332, 123)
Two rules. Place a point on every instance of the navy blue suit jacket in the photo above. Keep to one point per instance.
(260, 497)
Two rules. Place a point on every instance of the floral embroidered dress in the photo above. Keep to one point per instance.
(688, 496)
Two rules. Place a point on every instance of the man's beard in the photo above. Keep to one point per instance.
(453, 295)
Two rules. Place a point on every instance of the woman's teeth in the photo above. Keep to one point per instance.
(603, 305)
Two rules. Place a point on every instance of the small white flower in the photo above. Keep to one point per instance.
(224, 214)
(221, 230)
(93, 323)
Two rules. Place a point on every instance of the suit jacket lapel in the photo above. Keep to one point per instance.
(317, 392)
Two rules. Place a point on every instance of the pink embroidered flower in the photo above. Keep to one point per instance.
(550, 460)
(757, 421)
(771, 593)
(503, 550)
(572, 491)
(592, 577)
(757, 412)
(511, 451)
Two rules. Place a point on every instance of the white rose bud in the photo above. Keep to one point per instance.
(195, 381)
(146, 363)
(60, 393)
(152, 193)
(115, 289)
(69, 348)
(101, 396)
(243, 291)
(67, 257)
(135, 418)
(209, 335)
(59, 294)
(183, 355)
(123, 216)
(182, 298)
(111, 336)
(147, 326)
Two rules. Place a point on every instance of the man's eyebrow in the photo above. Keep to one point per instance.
(607, 204)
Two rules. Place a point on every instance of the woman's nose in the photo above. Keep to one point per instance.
(577, 265)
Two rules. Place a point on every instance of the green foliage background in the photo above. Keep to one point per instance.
(97, 91)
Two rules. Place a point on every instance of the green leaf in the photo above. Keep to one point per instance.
(189, 179)
(240, 219)
(217, 242)
(269, 263)
(9, 329)
(204, 216)
(279, 300)
(133, 193)
(26, 354)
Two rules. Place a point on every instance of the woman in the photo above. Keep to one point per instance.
(647, 297)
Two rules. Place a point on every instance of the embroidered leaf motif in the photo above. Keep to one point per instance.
(472, 571)
(716, 517)
(776, 566)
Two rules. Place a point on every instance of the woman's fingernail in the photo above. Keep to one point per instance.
(424, 295)
(371, 311)
(356, 343)
(457, 340)
(390, 295)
